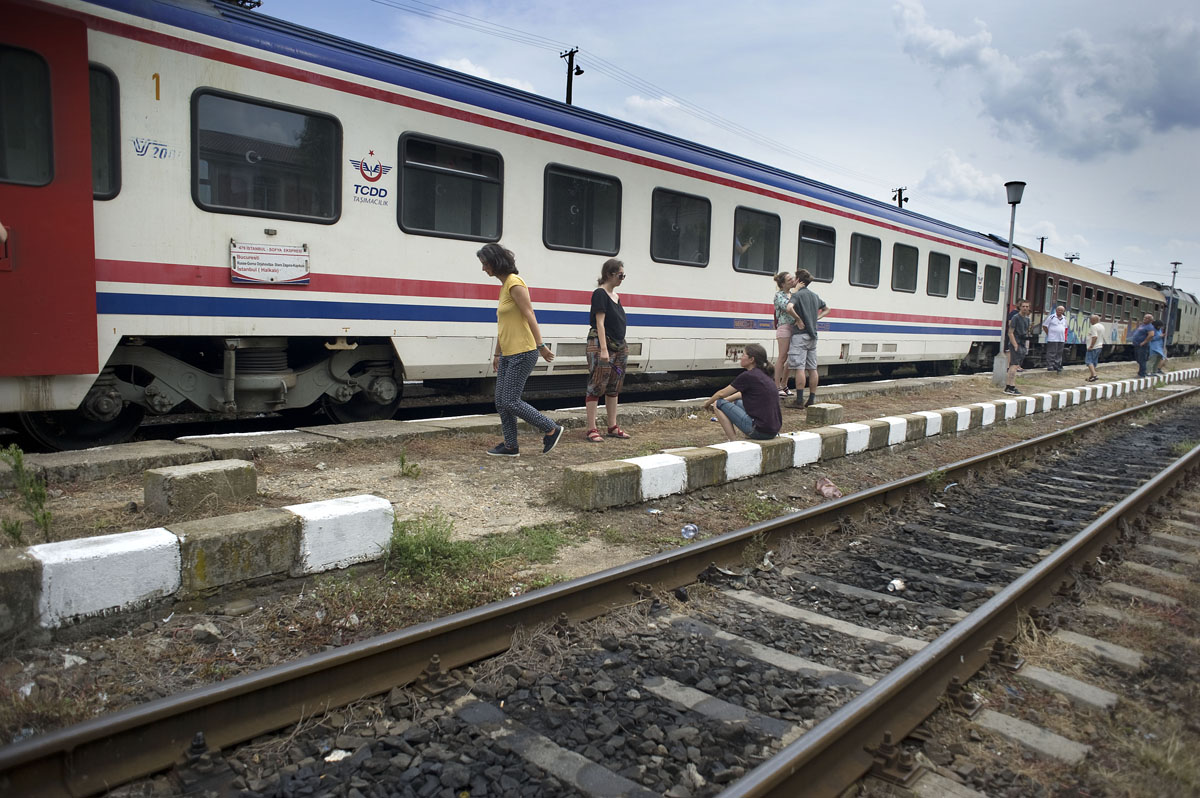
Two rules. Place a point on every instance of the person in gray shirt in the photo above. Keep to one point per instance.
(807, 309)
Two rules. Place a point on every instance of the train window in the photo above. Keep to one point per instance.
(991, 284)
(1018, 286)
(581, 211)
(1108, 309)
(1063, 290)
(755, 241)
(680, 226)
(1076, 291)
(26, 146)
(106, 136)
(968, 273)
(864, 260)
(1126, 306)
(261, 159)
(1087, 300)
(1120, 308)
(817, 245)
(904, 268)
(448, 189)
(938, 281)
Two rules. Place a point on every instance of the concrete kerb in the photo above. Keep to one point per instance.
(51, 585)
(690, 469)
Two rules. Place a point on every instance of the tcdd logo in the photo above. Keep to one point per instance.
(370, 173)
(370, 191)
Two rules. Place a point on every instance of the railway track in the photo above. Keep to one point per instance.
(768, 661)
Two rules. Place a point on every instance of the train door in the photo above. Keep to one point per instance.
(47, 266)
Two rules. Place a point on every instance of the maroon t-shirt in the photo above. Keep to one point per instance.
(760, 397)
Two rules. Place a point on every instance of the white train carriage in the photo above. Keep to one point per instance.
(279, 219)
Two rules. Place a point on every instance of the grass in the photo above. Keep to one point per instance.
(1183, 447)
(31, 489)
(408, 469)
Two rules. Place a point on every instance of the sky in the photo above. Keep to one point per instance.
(1095, 105)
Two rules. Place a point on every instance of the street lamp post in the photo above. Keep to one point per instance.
(1175, 264)
(1015, 189)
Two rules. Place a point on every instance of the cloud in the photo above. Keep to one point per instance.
(1081, 99)
(469, 67)
(950, 177)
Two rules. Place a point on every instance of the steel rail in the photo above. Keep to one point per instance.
(99, 754)
(837, 752)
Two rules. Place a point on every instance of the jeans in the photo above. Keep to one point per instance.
(736, 413)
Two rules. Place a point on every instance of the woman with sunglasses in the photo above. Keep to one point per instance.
(606, 350)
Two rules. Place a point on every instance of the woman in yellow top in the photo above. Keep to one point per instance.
(518, 344)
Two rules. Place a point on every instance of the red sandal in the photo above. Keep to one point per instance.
(594, 436)
(615, 431)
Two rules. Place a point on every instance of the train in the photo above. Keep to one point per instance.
(212, 209)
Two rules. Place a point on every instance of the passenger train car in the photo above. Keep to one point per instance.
(210, 208)
(1120, 304)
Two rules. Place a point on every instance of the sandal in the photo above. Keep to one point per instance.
(615, 431)
(594, 436)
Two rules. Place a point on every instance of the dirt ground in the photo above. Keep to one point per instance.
(155, 652)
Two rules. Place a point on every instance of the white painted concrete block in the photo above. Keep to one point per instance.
(1031, 404)
(963, 415)
(933, 422)
(662, 475)
(341, 532)
(91, 576)
(1010, 408)
(1075, 396)
(806, 448)
(858, 436)
(989, 413)
(742, 459)
(1045, 402)
(897, 429)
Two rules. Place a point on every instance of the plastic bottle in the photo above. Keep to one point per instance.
(689, 531)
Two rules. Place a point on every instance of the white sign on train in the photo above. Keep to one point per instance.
(268, 263)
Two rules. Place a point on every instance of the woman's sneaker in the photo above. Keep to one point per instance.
(500, 450)
(551, 440)
(1012, 389)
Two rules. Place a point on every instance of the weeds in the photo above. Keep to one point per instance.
(31, 489)
(758, 509)
(1183, 447)
(407, 469)
(935, 478)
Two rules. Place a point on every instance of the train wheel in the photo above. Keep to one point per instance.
(359, 408)
(63, 430)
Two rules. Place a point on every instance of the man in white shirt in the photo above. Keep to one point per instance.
(1056, 338)
(1095, 345)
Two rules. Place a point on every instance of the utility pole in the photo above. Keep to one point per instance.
(1170, 305)
(1042, 243)
(1071, 256)
(898, 196)
(572, 70)
(1112, 267)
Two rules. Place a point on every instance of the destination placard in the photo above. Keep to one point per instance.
(268, 263)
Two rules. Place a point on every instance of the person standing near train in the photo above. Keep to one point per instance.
(1158, 352)
(784, 329)
(807, 309)
(518, 344)
(1055, 328)
(1095, 345)
(750, 402)
(606, 351)
(1015, 345)
(1141, 343)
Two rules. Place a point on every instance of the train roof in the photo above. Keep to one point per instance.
(1082, 274)
(254, 29)
(1178, 293)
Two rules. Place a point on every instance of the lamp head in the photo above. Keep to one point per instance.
(1015, 189)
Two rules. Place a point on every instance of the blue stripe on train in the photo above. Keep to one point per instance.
(245, 307)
